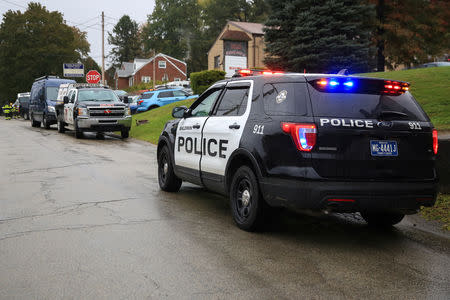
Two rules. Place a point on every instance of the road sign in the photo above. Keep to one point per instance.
(93, 76)
(73, 70)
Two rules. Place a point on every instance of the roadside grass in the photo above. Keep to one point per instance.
(439, 212)
(157, 118)
(430, 87)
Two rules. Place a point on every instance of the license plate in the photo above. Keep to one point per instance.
(384, 148)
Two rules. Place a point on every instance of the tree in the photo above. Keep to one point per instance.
(126, 40)
(35, 43)
(302, 35)
(411, 31)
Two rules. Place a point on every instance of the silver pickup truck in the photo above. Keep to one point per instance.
(91, 108)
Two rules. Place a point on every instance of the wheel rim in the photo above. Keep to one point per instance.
(244, 201)
(163, 167)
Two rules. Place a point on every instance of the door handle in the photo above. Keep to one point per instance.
(234, 126)
(196, 126)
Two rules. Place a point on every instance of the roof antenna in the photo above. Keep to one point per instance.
(343, 72)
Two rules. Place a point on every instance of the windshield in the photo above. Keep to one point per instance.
(24, 99)
(97, 95)
(52, 93)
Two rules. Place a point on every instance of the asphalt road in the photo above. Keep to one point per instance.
(85, 219)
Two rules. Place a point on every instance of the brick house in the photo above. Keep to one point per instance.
(141, 70)
(239, 45)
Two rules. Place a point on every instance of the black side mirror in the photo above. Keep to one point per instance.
(42, 97)
(125, 100)
(179, 112)
(66, 100)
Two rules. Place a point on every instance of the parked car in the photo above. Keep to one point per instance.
(121, 94)
(155, 99)
(318, 142)
(24, 103)
(132, 101)
(44, 92)
(92, 108)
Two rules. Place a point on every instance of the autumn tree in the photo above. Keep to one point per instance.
(410, 32)
(35, 43)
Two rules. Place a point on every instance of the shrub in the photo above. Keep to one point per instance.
(200, 81)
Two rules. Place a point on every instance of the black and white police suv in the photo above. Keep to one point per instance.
(305, 141)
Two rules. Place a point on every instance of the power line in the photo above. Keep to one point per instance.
(14, 3)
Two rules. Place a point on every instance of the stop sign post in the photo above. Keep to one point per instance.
(93, 76)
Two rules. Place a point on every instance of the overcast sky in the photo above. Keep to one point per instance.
(86, 15)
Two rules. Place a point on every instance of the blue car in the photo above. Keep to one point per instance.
(155, 99)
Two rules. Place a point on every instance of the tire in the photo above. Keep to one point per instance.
(167, 179)
(78, 132)
(383, 219)
(247, 206)
(125, 133)
(34, 123)
(61, 128)
(45, 122)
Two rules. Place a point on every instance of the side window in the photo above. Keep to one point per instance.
(165, 94)
(285, 99)
(179, 94)
(233, 103)
(72, 97)
(204, 106)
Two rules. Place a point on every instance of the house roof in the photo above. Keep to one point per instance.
(235, 35)
(126, 69)
(253, 28)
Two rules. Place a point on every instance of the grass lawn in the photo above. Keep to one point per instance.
(430, 87)
(440, 211)
(157, 118)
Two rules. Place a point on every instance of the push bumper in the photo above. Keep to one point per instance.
(103, 124)
(404, 197)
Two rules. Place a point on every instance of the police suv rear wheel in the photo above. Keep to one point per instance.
(247, 206)
(167, 179)
(382, 219)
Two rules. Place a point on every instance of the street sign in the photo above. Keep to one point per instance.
(93, 76)
(73, 70)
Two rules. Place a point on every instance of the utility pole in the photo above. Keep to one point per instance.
(154, 68)
(103, 47)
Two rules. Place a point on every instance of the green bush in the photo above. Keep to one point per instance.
(200, 81)
(142, 86)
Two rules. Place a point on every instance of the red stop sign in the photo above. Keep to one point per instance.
(93, 76)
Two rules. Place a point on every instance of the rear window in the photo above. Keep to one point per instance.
(165, 94)
(364, 106)
(285, 99)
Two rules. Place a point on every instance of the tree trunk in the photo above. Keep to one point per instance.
(381, 60)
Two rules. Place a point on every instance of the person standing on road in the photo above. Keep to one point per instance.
(15, 111)
(7, 111)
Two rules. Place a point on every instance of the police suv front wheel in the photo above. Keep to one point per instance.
(247, 205)
(167, 179)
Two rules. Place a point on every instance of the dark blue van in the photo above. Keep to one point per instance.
(43, 99)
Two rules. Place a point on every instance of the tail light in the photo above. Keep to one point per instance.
(435, 141)
(140, 102)
(304, 135)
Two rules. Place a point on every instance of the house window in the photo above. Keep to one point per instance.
(177, 79)
(165, 77)
(131, 81)
(146, 79)
(216, 61)
(162, 64)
